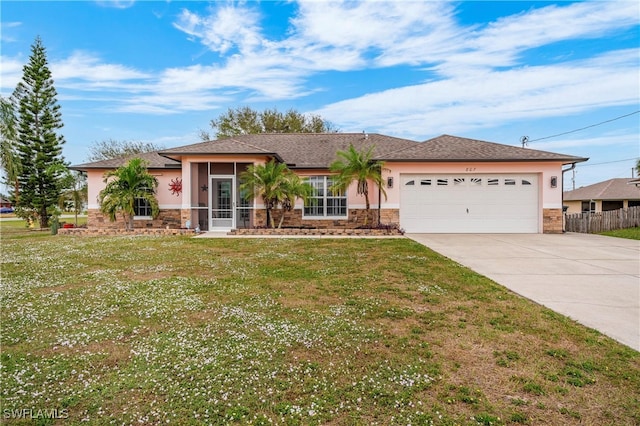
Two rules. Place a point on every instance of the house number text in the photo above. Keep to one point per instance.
(470, 169)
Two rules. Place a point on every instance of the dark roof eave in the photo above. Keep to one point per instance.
(310, 167)
(176, 156)
(485, 160)
(81, 168)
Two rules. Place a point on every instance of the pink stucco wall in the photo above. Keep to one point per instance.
(550, 198)
(165, 198)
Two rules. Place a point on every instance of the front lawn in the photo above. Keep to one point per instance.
(157, 330)
(630, 233)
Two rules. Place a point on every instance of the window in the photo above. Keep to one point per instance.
(410, 183)
(588, 206)
(525, 182)
(476, 181)
(142, 207)
(443, 182)
(425, 182)
(458, 181)
(493, 182)
(325, 203)
(509, 182)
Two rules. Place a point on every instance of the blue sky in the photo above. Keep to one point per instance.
(497, 71)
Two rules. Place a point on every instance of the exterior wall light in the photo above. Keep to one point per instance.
(554, 181)
(390, 182)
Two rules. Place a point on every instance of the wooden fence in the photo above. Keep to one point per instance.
(603, 221)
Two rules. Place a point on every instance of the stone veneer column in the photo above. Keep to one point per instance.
(552, 221)
(185, 215)
(167, 218)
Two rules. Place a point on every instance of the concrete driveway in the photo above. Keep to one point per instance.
(592, 279)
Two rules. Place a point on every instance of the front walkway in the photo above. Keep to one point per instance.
(592, 279)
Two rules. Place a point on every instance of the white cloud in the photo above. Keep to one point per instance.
(469, 86)
(501, 43)
(556, 23)
(609, 140)
(4, 34)
(117, 4)
(367, 25)
(227, 27)
(10, 73)
(345, 36)
(488, 98)
(86, 67)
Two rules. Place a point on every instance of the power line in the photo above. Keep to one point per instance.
(582, 128)
(608, 162)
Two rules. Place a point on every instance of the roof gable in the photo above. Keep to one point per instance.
(153, 158)
(612, 189)
(453, 148)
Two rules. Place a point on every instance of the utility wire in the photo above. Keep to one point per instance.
(583, 128)
(607, 162)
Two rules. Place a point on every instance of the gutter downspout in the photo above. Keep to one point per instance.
(573, 166)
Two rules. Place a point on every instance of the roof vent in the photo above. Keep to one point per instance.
(365, 134)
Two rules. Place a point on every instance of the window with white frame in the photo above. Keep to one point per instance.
(324, 202)
(141, 207)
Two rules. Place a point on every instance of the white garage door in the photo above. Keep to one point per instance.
(469, 203)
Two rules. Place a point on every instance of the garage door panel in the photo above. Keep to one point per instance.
(469, 203)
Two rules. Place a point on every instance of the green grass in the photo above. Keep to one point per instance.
(151, 330)
(630, 233)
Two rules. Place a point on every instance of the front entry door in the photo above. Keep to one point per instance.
(222, 203)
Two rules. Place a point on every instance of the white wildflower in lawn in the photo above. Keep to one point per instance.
(431, 289)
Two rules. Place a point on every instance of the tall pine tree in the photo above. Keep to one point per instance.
(38, 145)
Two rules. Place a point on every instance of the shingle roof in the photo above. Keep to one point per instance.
(298, 150)
(454, 148)
(318, 150)
(155, 160)
(612, 189)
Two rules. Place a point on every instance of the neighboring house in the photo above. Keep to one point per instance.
(444, 185)
(612, 194)
(635, 182)
(5, 203)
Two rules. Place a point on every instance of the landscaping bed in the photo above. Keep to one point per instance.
(92, 232)
(357, 232)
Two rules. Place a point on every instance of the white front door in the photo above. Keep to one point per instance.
(221, 213)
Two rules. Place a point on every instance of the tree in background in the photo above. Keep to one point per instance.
(353, 165)
(110, 148)
(245, 120)
(75, 192)
(124, 186)
(9, 160)
(38, 146)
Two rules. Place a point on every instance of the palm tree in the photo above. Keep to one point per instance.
(268, 181)
(353, 165)
(293, 187)
(9, 160)
(124, 186)
(75, 191)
